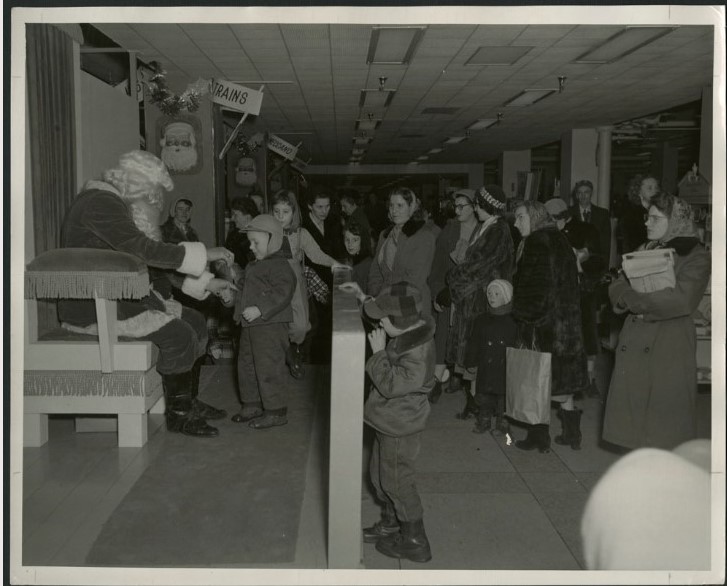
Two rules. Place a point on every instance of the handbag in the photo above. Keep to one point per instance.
(528, 385)
(650, 270)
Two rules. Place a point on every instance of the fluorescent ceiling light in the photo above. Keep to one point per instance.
(393, 44)
(362, 140)
(528, 97)
(624, 42)
(434, 151)
(422, 158)
(454, 139)
(414, 163)
(482, 123)
(357, 152)
(376, 99)
(497, 55)
(366, 124)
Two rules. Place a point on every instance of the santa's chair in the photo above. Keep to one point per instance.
(80, 374)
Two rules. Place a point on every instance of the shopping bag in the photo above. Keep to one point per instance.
(528, 385)
(650, 270)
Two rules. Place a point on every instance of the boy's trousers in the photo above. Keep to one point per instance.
(392, 474)
(259, 372)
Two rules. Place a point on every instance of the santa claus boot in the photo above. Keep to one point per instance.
(180, 414)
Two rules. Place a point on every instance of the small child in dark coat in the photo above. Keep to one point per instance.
(263, 311)
(402, 373)
(492, 333)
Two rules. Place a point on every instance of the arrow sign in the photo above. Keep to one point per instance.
(236, 97)
(284, 149)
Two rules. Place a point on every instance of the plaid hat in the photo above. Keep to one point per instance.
(400, 302)
(491, 196)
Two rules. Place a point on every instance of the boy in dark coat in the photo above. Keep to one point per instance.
(397, 408)
(263, 311)
(492, 333)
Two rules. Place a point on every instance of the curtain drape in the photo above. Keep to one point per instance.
(52, 127)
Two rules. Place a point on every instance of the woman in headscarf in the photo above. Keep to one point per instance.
(546, 308)
(653, 392)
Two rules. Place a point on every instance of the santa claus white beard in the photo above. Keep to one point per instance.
(245, 178)
(146, 218)
(179, 160)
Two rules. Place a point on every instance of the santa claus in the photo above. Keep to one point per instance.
(179, 147)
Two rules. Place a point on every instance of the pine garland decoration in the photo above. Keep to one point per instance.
(169, 102)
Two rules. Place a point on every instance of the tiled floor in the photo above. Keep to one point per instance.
(488, 505)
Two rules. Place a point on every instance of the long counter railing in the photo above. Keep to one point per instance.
(346, 433)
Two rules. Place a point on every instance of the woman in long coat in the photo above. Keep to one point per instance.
(405, 249)
(449, 251)
(489, 256)
(546, 308)
(651, 401)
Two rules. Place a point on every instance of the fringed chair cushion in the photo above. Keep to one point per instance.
(85, 273)
(90, 383)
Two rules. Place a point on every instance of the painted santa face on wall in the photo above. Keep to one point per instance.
(179, 147)
(246, 172)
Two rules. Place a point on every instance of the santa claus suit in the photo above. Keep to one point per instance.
(99, 218)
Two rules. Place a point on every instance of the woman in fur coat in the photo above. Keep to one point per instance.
(449, 251)
(489, 255)
(546, 308)
(652, 398)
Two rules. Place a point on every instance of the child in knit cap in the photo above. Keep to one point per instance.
(492, 333)
(263, 311)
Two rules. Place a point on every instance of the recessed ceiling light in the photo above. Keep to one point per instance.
(376, 99)
(393, 44)
(434, 151)
(506, 55)
(528, 97)
(368, 124)
(624, 42)
(454, 139)
(440, 110)
(482, 123)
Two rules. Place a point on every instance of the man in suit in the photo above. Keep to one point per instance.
(589, 213)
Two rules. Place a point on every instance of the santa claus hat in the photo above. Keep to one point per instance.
(179, 127)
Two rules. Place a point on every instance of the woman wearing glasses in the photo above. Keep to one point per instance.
(488, 255)
(652, 397)
(449, 251)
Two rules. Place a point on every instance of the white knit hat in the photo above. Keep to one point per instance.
(505, 288)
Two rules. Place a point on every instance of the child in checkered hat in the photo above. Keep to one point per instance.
(402, 373)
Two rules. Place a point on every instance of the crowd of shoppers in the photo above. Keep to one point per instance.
(451, 295)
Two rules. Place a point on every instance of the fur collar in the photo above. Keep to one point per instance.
(101, 186)
(682, 245)
(411, 227)
(416, 337)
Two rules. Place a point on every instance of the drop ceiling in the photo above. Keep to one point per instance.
(315, 74)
